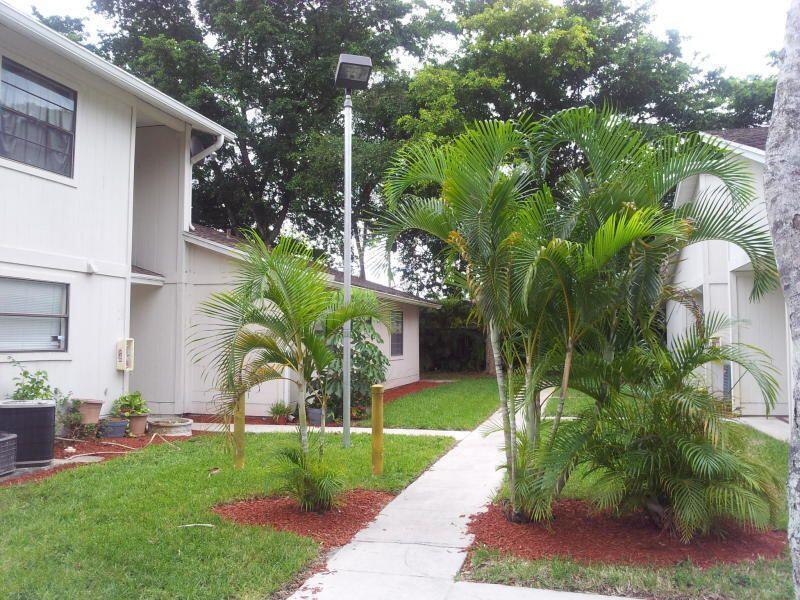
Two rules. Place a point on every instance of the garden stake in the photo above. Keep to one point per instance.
(377, 429)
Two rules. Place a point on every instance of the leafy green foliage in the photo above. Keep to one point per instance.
(130, 404)
(306, 478)
(280, 409)
(451, 339)
(369, 366)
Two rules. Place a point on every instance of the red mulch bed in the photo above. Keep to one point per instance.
(584, 536)
(332, 529)
(409, 388)
(251, 420)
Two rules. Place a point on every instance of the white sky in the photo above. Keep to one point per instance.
(736, 35)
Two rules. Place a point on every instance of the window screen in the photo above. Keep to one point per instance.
(397, 333)
(37, 119)
(33, 316)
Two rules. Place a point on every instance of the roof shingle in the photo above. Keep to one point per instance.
(755, 137)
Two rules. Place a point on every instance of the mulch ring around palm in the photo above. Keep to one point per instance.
(585, 536)
(334, 528)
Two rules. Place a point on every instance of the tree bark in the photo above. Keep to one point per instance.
(501, 389)
(302, 420)
(562, 396)
(783, 210)
(238, 431)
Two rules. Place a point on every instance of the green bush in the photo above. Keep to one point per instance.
(304, 477)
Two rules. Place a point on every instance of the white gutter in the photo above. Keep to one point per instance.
(209, 149)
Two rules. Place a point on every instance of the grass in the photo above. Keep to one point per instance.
(575, 403)
(458, 406)
(111, 530)
(763, 579)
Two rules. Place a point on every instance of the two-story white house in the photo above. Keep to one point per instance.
(720, 277)
(96, 240)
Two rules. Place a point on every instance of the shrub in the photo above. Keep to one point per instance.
(130, 404)
(280, 409)
(306, 478)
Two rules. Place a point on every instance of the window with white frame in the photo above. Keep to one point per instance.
(397, 333)
(33, 315)
(37, 119)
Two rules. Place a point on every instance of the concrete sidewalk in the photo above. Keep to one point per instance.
(771, 426)
(458, 435)
(414, 549)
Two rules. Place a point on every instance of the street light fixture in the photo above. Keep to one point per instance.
(352, 73)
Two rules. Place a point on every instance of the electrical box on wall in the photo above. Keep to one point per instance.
(125, 355)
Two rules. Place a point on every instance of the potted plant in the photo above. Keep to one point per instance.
(113, 427)
(89, 411)
(133, 407)
(280, 412)
(30, 413)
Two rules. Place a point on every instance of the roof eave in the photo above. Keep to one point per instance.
(79, 55)
(756, 154)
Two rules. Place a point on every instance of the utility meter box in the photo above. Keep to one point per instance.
(125, 354)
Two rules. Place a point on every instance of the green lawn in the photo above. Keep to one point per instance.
(462, 405)
(764, 579)
(111, 530)
(575, 403)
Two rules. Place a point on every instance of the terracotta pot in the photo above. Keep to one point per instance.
(279, 420)
(138, 424)
(90, 411)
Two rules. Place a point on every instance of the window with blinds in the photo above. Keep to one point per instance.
(33, 315)
(37, 119)
(397, 333)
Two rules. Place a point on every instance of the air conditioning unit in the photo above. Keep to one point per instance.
(125, 354)
(8, 452)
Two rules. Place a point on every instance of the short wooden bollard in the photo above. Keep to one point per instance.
(377, 429)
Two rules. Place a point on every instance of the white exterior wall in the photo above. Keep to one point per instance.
(52, 227)
(722, 272)
(209, 271)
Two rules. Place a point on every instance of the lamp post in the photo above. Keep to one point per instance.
(352, 73)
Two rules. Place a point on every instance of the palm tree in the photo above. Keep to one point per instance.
(275, 324)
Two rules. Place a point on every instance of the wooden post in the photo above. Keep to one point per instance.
(377, 429)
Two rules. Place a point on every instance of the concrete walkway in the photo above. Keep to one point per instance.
(414, 549)
(771, 426)
(458, 435)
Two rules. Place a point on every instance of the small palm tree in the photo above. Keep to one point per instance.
(275, 324)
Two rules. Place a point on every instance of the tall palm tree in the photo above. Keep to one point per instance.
(275, 324)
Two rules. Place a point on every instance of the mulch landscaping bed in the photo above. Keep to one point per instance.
(332, 529)
(409, 388)
(252, 420)
(585, 536)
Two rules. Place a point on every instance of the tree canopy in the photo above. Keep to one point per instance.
(265, 70)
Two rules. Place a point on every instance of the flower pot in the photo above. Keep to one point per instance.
(279, 420)
(34, 422)
(138, 424)
(113, 428)
(90, 411)
(315, 416)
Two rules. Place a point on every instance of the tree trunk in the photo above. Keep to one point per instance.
(562, 396)
(783, 210)
(533, 404)
(361, 244)
(302, 419)
(238, 431)
(501, 389)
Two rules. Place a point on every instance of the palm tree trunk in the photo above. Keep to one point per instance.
(783, 210)
(501, 387)
(302, 419)
(562, 395)
(533, 403)
(238, 431)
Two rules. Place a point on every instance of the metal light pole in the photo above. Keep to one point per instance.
(352, 72)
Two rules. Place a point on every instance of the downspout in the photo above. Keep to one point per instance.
(208, 150)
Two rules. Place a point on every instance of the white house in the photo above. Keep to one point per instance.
(96, 240)
(720, 276)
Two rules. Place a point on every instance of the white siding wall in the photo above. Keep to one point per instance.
(51, 228)
(403, 369)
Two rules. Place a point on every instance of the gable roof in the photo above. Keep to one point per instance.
(77, 54)
(753, 137)
(229, 241)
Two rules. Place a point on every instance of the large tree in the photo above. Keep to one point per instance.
(783, 210)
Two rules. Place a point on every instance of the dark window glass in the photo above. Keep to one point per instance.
(397, 333)
(37, 119)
